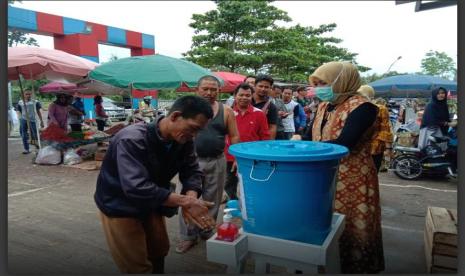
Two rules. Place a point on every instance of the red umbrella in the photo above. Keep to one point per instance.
(66, 88)
(56, 86)
(231, 81)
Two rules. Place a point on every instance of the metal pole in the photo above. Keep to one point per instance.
(10, 101)
(389, 69)
(132, 103)
(34, 110)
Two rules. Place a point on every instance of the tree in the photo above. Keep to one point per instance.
(16, 37)
(224, 35)
(294, 53)
(243, 36)
(438, 64)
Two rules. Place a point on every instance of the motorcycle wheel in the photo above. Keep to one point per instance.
(407, 167)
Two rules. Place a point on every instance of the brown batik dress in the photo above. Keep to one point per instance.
(357, 193)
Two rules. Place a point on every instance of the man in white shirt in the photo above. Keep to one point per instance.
(288, 119)
(32, 107)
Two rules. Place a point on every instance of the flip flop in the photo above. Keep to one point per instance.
(184, 245)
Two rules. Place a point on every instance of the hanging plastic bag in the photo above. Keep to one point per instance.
(48, 156)
(13, 116)
(71, 158)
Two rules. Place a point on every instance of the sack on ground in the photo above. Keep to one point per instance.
(48, 156)
(71, 158)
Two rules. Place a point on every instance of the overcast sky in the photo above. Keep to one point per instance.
(379, 31)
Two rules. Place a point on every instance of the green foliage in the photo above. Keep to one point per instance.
(243, 36)
(28, 85)
(224, 37)
(169, 94)
(16, 37)
(439, 64)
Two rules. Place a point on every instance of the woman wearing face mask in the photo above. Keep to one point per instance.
(346, 118)
(436, 120)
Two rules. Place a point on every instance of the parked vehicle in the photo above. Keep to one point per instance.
(437, 159)
(114, 112)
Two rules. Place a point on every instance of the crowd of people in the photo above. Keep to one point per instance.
(134, 193)
(133, 189)
(66, 112)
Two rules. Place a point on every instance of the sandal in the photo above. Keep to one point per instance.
(184, 245)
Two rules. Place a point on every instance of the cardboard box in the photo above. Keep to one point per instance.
(406, 139)
(441, 240)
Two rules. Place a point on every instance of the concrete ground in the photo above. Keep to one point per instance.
(53, 227)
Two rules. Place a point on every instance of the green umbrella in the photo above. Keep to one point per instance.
(149, 72)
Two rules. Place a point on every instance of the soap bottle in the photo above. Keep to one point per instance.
(227, 231)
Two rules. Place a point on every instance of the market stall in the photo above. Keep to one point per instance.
(36, 63)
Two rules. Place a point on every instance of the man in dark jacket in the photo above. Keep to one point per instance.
(133, 188)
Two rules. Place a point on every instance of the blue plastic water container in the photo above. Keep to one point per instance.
(288, 188)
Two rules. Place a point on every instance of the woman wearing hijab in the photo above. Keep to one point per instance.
(435, 119)
(346, 118)
(58, 112)
(382, 138)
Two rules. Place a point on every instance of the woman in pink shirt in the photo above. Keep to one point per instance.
(58, 112)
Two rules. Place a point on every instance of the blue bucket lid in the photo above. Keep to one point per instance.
(291, 151)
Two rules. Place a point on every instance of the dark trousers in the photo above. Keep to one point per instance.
(378, 159)
(24, 132)
(281, 135)
(100, 124)
(76, 127)
(230, 186)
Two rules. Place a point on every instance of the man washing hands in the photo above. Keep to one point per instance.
(134, 194)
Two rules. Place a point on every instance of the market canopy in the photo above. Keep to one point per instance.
(411, 85)
(56, 87)
(148, 73)
(230, 81)
(36, 63)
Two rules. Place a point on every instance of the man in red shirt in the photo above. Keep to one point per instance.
(252, 125)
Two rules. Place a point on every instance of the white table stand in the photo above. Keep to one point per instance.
(268, 250)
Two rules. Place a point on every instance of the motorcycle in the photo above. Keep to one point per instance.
(437, 159)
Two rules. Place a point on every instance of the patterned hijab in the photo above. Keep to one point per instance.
(346, 77)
